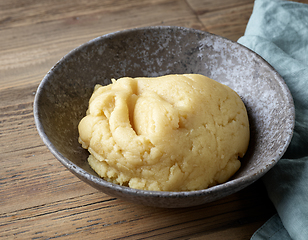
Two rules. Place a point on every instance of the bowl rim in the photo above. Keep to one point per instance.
(149, 193)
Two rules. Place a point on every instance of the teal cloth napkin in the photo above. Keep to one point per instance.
(278, 31)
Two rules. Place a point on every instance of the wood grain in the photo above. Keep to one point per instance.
(39, 198)
(37, 37)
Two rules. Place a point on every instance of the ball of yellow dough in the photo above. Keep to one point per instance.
(170, 133)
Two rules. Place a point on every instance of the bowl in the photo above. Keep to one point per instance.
(62, 100)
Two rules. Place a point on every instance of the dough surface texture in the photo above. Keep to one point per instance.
(170, 133)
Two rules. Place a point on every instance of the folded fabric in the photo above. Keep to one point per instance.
(278, 31)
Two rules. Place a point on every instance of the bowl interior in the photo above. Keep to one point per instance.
(62, 97)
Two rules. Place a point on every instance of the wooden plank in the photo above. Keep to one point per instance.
(227, 20)
(206, 6)
(95, 214)
(30, 47)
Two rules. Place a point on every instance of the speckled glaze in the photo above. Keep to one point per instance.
(62, 99)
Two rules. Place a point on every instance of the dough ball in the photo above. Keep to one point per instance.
(170, 133)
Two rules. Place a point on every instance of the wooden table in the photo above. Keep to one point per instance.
(39, 198)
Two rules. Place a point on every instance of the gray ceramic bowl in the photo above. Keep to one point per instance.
(62, 99)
